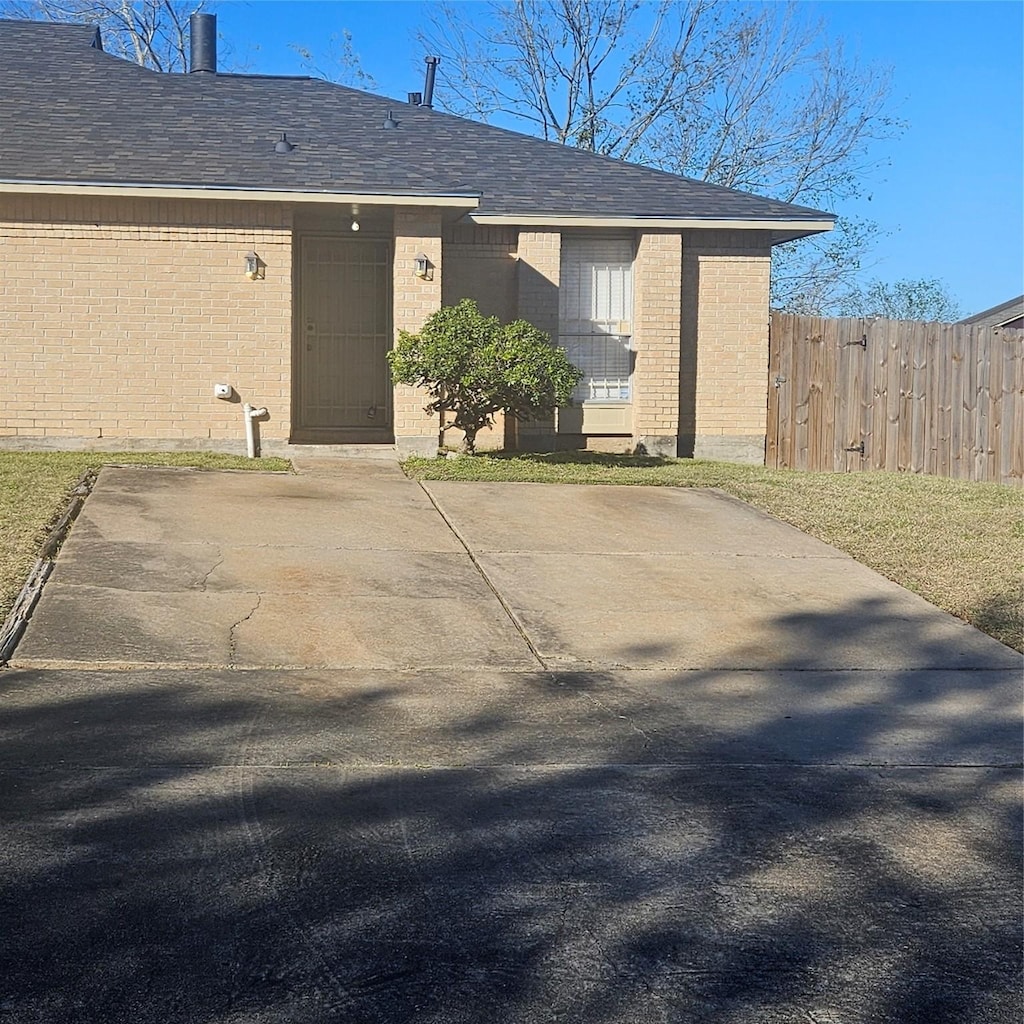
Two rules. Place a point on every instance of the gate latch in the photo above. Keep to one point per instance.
(779, 380)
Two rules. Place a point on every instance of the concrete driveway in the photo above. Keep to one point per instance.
(339, 747)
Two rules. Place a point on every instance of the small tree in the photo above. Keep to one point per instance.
(474, 366)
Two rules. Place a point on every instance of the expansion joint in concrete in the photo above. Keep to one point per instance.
(513, 618)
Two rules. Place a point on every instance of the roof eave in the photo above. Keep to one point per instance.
(795, 231)
(781, 230)
(462, 201)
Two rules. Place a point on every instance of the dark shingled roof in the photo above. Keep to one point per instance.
(74, 114)
(1004, 313)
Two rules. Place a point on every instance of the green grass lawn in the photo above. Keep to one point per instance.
(35, 487)
(960, 545)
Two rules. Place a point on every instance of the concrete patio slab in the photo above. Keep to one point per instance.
(613, 893)
(728, 611)
(395, 632)
(369, 506)
(361, 717)
(251, 629)
(355, 569)
(616, 520)
(446, 827)
(284, 569)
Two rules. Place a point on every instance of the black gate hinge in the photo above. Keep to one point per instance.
(859, 448)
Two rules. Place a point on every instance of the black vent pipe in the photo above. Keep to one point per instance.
(202, 31)
(428, 85)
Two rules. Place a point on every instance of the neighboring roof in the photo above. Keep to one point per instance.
(74, 115)
(998, 316)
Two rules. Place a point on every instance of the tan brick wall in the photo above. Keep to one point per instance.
(723, 374)
(417, 230)
(540, 255)
(657, 284)
(539, 271)
(120, 315)
(480, 264)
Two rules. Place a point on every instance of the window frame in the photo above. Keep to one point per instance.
(617, 301)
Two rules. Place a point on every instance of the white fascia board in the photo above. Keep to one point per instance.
(673, 223)
(463, 202)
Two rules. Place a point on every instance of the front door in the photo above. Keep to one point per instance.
(342, 388)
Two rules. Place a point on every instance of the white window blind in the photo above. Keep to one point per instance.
(595, 315)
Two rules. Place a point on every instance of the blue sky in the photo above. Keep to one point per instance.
(950, 193)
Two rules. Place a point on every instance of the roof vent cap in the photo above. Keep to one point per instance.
(202, 33)
(283, 145)
(389, 121)
(428, 85)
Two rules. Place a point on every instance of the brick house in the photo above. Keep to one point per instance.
(162, 234)
(1009, 315)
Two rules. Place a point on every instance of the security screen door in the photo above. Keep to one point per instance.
(342, 336)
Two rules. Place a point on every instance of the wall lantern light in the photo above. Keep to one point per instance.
(424, 268)
(253, 266)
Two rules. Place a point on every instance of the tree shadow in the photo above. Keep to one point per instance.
(708, 846)
(579, 457)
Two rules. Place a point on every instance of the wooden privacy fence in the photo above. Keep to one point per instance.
(945, 399)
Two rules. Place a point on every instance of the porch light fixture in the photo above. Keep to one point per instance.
(424, 269)
(253, 266)
(355, 216)
(355, 224)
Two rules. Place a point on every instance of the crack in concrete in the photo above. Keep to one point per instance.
(623, 718)
(216, 565)
(602, 953)
(232, 639)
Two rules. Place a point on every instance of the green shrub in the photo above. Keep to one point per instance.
(474, 366)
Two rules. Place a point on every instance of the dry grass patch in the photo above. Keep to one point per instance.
(34, 490)
(960, 545)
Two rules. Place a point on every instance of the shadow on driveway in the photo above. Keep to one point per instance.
(702, 846)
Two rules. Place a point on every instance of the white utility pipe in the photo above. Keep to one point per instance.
(251, 414)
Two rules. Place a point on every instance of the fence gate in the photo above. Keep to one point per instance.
(849, 394)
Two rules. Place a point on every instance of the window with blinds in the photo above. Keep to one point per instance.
(595, 315)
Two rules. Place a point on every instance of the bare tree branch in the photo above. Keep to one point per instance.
(339, 63)
(153, 33)
(753, 97)
(925, 299)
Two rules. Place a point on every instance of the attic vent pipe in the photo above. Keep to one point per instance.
(202, 31)
(428, 85)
